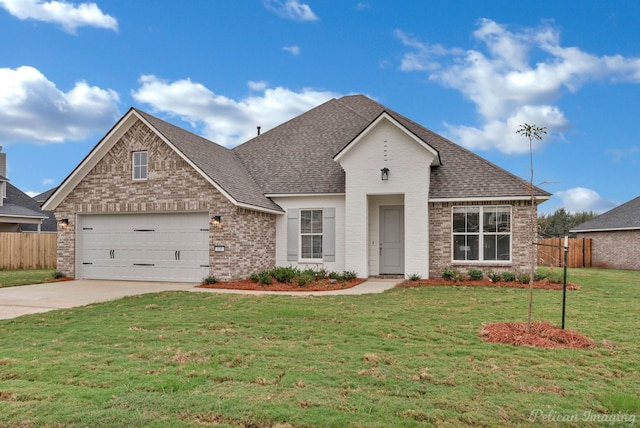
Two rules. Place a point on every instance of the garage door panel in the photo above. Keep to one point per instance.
(158, 247)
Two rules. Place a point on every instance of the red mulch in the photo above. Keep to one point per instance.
(541, 335)
(540, 285)
(247, 284)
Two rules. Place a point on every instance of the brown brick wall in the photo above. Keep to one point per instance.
(172, 186)
(619, 249)
(440, 239)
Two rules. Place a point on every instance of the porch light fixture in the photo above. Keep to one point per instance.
(63, 223)
(217, 219)
(385, 173)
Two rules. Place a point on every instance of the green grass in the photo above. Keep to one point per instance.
(11, 278)
(408, 357)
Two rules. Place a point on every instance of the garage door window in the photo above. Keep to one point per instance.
(140, 165)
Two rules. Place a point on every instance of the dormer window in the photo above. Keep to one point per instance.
(140, 165)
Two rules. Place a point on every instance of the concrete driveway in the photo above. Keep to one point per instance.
(33, 299)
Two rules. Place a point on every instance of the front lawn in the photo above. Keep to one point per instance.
(408, 357)
(10, 278)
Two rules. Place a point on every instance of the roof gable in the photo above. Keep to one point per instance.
(384, 116)
(623, 217)
(217, 164)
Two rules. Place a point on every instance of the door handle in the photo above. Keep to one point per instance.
(380, 249)
(177, 255)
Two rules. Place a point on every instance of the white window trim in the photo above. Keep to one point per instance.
(301, 234)
(133, 166)
(482, 234)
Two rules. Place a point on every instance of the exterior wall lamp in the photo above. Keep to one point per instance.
(217, 220)
(63, 223)
(384, 174)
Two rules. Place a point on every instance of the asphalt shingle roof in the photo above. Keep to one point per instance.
(218, 162)
(297, 156)
(625, 216)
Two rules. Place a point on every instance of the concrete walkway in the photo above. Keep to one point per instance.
(370, 286)
(37, 298)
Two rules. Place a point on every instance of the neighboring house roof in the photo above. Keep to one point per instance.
(623, 217)
(44, 195)
(20, 208)
(297, 156)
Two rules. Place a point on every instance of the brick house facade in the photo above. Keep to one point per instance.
(308, 193)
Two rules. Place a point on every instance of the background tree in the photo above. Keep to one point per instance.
(532, 132)
(561, 222)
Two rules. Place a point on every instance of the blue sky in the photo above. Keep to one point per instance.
(472, 71)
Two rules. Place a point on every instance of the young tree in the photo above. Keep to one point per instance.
(532, 132)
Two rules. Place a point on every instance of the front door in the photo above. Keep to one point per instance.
(392, 240)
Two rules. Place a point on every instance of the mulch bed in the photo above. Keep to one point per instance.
(540, 285)
(541, 335)
(322, 285)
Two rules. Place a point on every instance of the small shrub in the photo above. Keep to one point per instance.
(414, 277)
(284, 274)
(523, 278)
(508, 276)
(556, 277)
(452, 275)
(540, 275)
(494, 277)
(475, 274)
(57, 275)
(335, 275)
(210, 280)
(316, 274)
(262, 278)
(304, 279)
(448, 274)
(349, 275)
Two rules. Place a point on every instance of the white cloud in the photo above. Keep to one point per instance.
(66, 14)
(33, 109)
(291, 9)
(48, 181)
(580, 199)
(509, 87)
(294, 50)
(224, 120)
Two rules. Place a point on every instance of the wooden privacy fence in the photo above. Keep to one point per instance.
(25, 250)
(551, 252)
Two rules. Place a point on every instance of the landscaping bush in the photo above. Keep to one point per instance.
(210, 280)
(262, 278)
(284, 274)
(523, 278)
(508, 276)
(349, 275)
(494, 277)
(475, 274)
(414, 277)
(304, 279)
(540, 275)
(452, 275)
(556, 277)
(57, 275)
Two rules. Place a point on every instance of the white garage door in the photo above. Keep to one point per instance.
(145, 247)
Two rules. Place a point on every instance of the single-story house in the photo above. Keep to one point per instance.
(349, 185)
(18, 211)
(615, 237)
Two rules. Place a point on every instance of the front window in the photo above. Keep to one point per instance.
(311, 234)
(481, 233)
(140, 166)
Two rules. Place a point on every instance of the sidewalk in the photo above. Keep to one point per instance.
(370, 286)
